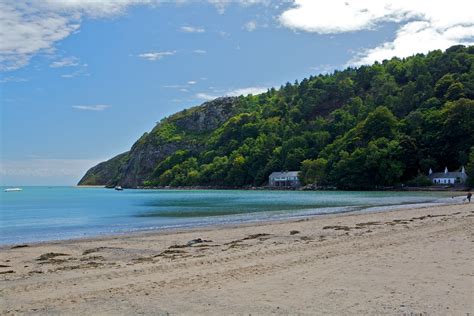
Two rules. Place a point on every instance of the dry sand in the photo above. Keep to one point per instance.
(407, 262)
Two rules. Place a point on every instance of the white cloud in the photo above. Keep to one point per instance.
(232, 93)
(65, 62)
(223, 34)
(152, 56)
(413, 38)
(325, 68)
(31, 27)
(246, 91)
(222, 4)
(205, 96)
(81, 71)
(192, 29)
(174, 86)
(94, 8)
(200, 51)
(77, 73)
(192, 82)
(28, 28)
(46, 167)
(96, 107)
(12, 79)
(44, 171)
(250, 26)
(424, 24)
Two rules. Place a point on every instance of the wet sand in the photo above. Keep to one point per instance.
(399, 262)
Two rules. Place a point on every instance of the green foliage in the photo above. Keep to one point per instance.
(368, 167)
(167, 132)
(470, 168)
(314, 171)
(420, 180)
(361, 128)
(176, 158)
(182, 174)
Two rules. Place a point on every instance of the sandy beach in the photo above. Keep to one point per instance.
(403, 262)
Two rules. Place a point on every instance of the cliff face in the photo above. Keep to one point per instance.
(105, 173)
(185, 130)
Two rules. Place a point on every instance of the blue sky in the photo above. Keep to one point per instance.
(81, 80)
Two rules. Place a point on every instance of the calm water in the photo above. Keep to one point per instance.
(50, 213)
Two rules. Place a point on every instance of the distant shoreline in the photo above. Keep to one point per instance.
(267, 188)
(90, 186)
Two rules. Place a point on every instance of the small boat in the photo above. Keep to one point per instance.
(118, 188)
(13, 189)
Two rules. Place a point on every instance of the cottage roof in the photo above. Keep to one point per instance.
(446, 175)
(284, 174)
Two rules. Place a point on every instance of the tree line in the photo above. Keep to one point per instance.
(360, 128)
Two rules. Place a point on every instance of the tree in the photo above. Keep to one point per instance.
(380, 123)
(458, 128)
(313, 171)
(455, 91)
(377, 164)
(470, 168)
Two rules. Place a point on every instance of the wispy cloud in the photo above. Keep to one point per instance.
(79, 72)
(182, 87)
(200, 51)
(205, 96)
(192, 29)
(152, 56)
(231, 93)
(325, 68)
(72, 74)
(41, 171)
(250, 26)
(65, 62)
(246, 91)
(424, 25)
(28, 28)
(222, 4)
(223, 34)
(96, 107)
(12, 79)
(174, 86)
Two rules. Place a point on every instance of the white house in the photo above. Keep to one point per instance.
(447, 177)
(284, 179)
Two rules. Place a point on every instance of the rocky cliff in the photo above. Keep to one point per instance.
(186, 130)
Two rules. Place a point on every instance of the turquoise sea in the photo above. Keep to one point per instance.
(53, 213)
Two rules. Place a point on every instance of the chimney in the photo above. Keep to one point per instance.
(445, 169)
(463, 170)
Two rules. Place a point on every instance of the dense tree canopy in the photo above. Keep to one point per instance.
(364, 127)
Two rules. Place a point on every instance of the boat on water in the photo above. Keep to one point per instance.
(118, 188)
(13, 189)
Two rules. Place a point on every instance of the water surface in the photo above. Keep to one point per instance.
(52, 213)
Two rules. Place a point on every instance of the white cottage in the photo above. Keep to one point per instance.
(448, 177)
(284, 179)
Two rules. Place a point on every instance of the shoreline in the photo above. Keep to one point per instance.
(407, 261)
(302, 189)
(302, 215)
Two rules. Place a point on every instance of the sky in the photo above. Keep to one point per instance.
(81, 80)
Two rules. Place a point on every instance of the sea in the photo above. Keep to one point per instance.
(38, 214)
